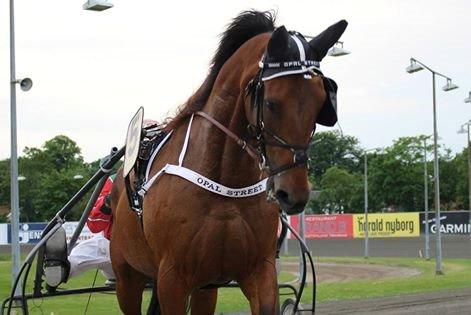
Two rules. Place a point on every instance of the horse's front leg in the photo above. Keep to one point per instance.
(203, 301)
(129, 286)
(261, 289)
(172, 291)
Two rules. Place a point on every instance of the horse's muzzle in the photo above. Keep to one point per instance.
(291, 203)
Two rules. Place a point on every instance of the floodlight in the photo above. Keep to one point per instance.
(468, 99)
(21, 178)
(78, 176)
(97, 5)
(462, 130)
(414, 66)
(25, 84)
(449, 86)
(338, 50)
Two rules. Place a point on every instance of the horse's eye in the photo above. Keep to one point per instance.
(270, 105)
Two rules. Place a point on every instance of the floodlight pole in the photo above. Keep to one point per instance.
(366, 254)
(469, 172)
(438, 225)
(14, 198)
(469, 179)
(427, 233)
(436, 176)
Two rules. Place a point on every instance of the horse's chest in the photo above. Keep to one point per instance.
(225, 247)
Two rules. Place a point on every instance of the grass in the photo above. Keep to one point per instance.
(457, 275)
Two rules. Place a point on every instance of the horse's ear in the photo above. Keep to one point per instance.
(322, 42)
(278, 43)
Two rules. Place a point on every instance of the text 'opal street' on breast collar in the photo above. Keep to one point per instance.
(194, 177)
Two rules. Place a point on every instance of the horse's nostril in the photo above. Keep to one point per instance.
(288, 203)
(282, 196)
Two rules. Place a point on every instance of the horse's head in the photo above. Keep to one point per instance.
(288, 96)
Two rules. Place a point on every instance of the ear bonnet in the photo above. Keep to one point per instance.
(289, 53)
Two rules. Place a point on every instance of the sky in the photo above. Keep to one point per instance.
(92, 70)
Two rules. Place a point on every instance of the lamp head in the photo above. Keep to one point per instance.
(25, 84)
(468, 99)
(414, 66)
(337, 50)
(97, 5)
(449, 85)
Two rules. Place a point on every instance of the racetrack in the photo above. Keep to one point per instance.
(328, 272)
(433, 303)
(449, 302)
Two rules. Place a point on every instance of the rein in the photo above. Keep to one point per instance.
(242, 143)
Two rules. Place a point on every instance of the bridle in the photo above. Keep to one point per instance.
(256, 88)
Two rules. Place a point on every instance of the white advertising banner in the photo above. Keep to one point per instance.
(30, 233)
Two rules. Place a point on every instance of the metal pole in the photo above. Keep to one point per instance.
(438, 234)
(14, 198)
(469, 181)
(427, 228)
(285, 246)
(302, 227)
(366, 205)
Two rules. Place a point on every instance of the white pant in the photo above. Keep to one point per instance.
(90, 254)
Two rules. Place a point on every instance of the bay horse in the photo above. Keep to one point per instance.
(252, 117)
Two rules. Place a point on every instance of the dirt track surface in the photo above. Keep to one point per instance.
(450, 302)
(336, 272)
(433, 303)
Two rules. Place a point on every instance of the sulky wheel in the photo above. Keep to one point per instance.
(288, 307)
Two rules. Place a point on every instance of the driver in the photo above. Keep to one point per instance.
(88, 254)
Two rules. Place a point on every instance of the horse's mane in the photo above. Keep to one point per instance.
(245, 26)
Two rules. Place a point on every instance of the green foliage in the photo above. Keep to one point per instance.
(340, 191)
(49, 178)
(5, 182)
(460, 181)
(395, 175)
(332, 149)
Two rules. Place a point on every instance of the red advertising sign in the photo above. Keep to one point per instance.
(326, 226)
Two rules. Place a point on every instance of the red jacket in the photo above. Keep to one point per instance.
(97, 220)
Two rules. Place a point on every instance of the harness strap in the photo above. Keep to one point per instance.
(198, 179)
(243, 144)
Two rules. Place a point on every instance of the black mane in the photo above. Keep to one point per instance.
(245, 26)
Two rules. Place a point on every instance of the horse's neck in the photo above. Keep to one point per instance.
(217, 155)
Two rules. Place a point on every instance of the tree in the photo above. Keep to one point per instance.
(454, 181)
(5, 182)
(331, 148)
(340, 191)
(395, 177)
(49, 173)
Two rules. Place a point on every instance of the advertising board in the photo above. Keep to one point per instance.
(452, 222)
(326, 226)
(405, 224)
(30, 233)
